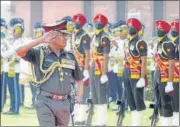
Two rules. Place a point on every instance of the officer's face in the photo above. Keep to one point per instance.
(60, 41)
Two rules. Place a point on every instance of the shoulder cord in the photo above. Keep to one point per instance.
(47, 73)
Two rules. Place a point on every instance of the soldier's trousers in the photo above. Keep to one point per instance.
(99, 91)
(135, 96)
(166, 107)
(13, 85)
(112, 84)
(119, 89)
(4, 77)
(176, 97)
(51, 112)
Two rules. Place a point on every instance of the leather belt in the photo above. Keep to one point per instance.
(51, 96)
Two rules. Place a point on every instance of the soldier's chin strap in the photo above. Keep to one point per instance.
(99, 30)
(174, 38)
(131, 37)
(160, 38)
(76, 30)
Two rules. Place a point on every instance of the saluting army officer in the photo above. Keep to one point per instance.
(54, 69)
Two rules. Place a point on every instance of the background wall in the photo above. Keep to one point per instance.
(50, 11)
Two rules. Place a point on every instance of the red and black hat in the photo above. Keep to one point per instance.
(175, 25)
(163, 25)
(133, 22)
(79, 18)
(101, 18)
(59, 26)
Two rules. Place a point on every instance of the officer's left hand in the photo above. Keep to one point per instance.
(103, 79)
(141, 83)
(169, 88)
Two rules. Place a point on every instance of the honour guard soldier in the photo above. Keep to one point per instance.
(175, 41)
(18, 29)
(54, 70)
(164, 58)
(136, 56)
(38, 30)
(88, 27)
(81, 48)
(119, 31)
(101, 49)
(4, 63)
(14, 68)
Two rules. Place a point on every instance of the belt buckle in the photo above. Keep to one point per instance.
(56, 97)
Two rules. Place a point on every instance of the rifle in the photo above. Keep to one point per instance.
(121, 109)
(90, 111)
(72, 100)
(154, 118)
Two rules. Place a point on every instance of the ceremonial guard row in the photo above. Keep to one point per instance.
(104, 62)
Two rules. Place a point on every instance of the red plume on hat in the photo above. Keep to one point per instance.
(79, 18)
(133, 22)
(163, 25)
(175, 25)
(101, 18)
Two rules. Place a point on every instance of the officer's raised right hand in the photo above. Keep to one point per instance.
(49, 37)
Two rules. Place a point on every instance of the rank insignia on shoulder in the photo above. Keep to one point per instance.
(66, 63)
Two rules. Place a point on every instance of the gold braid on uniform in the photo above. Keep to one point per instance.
(47, 73)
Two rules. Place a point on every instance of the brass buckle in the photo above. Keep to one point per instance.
(56, 97)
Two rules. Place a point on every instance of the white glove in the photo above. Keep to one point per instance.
(86, 74)
(103, 79)
(8, 53)
(115, 68)
(169, 88)
(141, 83)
